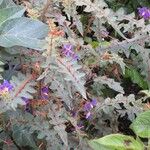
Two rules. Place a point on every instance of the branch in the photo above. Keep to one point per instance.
(23, 85)
(48, 3)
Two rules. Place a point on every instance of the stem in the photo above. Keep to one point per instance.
(23, 85)
(19, 148)
(48, 3)
(148, 147)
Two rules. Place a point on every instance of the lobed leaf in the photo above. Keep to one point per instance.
(70, 69)
(111, 83)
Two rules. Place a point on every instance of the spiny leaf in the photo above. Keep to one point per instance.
(114, 58)
(59, 123)
(43, 128)
(60, 90)
(70, 69)
(78, 24)
(110, 82)
(126, 101)
(22, 136)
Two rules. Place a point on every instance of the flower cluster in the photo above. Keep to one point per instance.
(5, 88)
(144, 12)
(67, 50)
(88, 107)
(44, 96)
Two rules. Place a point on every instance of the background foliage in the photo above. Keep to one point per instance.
(74, 75)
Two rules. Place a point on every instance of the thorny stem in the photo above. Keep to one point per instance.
(48, 3)
(134, 40)
(148, 71)
(49, 50)
(23, 85)
(19, 148)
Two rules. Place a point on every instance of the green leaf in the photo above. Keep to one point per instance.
(144, 3)
(116, 142)
(98, 146)
(10, 13)
(94, 44)
(1, 2)
(23, 32)
(135, 77)
(6, 3)
(104, 43)
(141, 125)
(23, 137)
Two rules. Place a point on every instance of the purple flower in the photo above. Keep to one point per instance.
(5, 87)
(94, 102)
(67, 50)
(80, 125)
(88, 115)
(27, 105)
(44, 92)
(144, 12)
(75, 56)
(26, 100)
(73, 113)
(89, 105)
